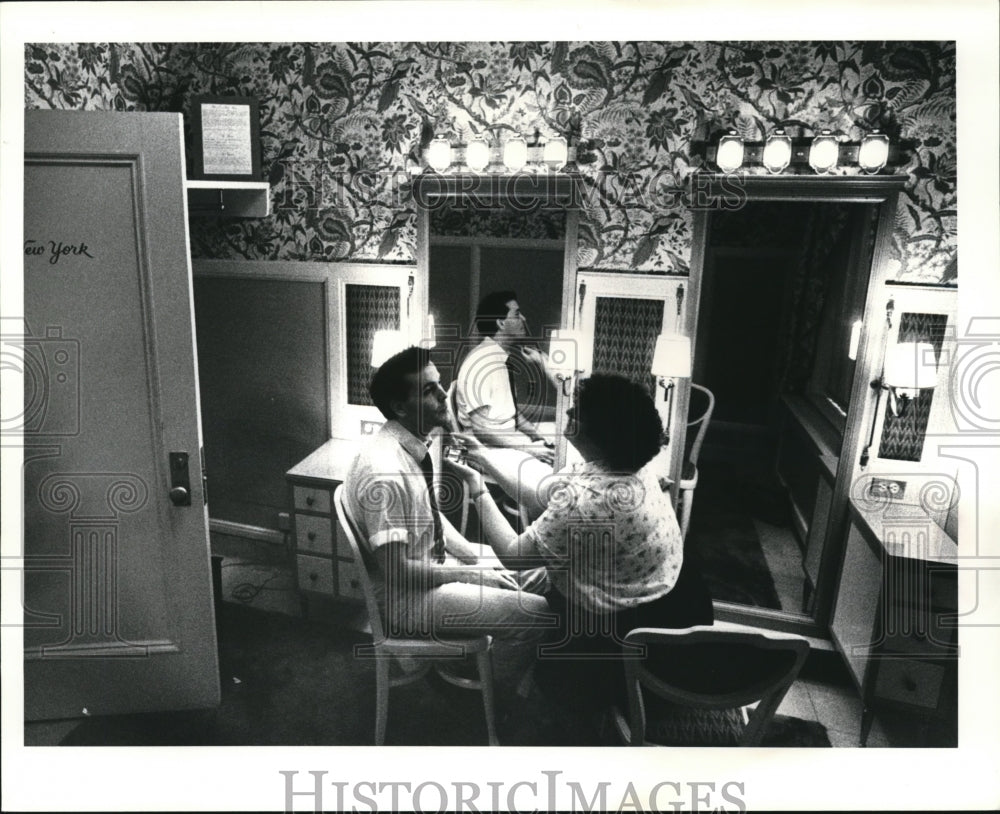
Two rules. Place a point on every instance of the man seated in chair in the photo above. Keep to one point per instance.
(485, 400)
(432, 582)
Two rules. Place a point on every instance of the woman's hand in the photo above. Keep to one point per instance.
(474, 450)
(472, 478)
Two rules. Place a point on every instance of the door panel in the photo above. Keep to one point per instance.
(117, 590)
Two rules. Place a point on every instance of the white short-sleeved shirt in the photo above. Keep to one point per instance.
(609, 541)
(483, 384)
(386, 491)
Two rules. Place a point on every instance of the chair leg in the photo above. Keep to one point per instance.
(687, 499)
(381, 697)
(485, 664)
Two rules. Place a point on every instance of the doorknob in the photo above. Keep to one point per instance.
(180, 482)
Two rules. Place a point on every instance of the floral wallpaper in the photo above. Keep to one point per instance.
(341, 121)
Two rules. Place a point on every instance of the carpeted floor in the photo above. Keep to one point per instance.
(289, 681)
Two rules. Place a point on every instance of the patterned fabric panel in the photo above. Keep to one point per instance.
(370, 308)
(903, 435)
(625, 332)
(504, 220)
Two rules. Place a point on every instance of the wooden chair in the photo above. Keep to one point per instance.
(680, 691)
(384, 647)
(702, 404)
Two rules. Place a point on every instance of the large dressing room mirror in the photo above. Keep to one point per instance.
(780, 285)
(474, 245)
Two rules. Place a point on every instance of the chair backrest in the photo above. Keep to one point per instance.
(353, 536)
(709, 668)
(700, 407)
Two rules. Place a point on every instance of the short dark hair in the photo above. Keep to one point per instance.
(491, 308)
(620, 417)
(389, 382)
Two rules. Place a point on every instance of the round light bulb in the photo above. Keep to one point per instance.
(729, 155)
(555, 153)
(477, 154)
(439, 154)
(777, 151)
(515, 154)
(824, 152)
(874, 152)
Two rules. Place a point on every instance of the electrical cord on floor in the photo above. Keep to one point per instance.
(246, 592)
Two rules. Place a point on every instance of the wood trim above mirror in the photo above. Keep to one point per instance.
(706, 189)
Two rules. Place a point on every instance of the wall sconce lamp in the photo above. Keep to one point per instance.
(671, 360)
(907, 369)
(824, 152)
(387, 343)
(729, 155)
(873, 152)
(570, 355)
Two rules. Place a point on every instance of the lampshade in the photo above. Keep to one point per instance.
(555, 153)
(874, 152)
(910, 367)
(569, 352)
(515, 153)
(729, 154)
(439, 154)
(777, 151)
(672, 357)
(386, 344)
(824, 152)
(477, 154)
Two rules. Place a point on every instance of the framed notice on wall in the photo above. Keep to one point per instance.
(225, 138)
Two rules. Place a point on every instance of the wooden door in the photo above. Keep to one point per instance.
(117, 590)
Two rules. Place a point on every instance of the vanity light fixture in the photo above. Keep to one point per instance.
(515, 153)
(824, 152)
(477, 154)
(729, 154)
(439, 154)
(671, 360)
(873, 152)
(777, 151)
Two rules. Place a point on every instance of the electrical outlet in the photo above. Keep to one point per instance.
(284, 521)
(887, 487)
(370, 427)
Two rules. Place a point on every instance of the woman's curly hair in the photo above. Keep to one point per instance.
(620, 418)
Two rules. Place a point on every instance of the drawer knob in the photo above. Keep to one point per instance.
(909, 684)
(355, 583)
(310, 500)
(311, 535)
(314, 576)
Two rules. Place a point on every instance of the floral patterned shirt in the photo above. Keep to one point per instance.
(610, 541)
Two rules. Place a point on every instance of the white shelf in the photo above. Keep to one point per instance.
(228, 199)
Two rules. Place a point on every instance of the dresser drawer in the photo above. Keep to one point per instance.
(312, 500)
(348, 581)
(909, 682)
(315, 574)
(313, 534)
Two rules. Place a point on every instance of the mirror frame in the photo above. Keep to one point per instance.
(710, 192)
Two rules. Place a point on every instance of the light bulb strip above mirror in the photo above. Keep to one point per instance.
(514, 154)
(818, 154)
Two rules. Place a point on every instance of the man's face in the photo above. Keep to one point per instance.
(426, 406)
(514, 325)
